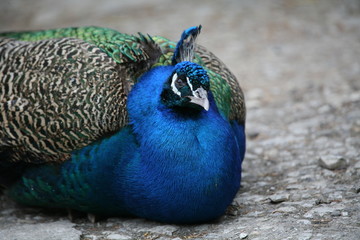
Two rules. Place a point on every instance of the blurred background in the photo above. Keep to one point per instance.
(298, 62)
(273, 47)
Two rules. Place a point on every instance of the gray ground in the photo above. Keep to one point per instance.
(299, 64)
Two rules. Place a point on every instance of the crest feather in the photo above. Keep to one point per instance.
(185, 48)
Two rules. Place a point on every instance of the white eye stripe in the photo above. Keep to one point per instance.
(196, 92)
(176, 90)
(190, 85)
(173, 87)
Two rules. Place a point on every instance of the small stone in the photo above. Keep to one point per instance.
(307, 204)
(345, 214)
(38, 218)
(332, 162)
(357, 165)
(294, 187)
(336, 213)
(243, 235)
(324, 109)
(110, 224)
(90, 237)
(287, 209)
(357, 189)
(304, 221)
(319, 211)
(116, 236)
(253, 134)
(278, 198)
(163, 229)
(322, 200)
(309, 214)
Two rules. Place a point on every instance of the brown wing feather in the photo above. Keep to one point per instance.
(237, 108)
(56, 96)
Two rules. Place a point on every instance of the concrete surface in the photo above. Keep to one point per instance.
(299, 64)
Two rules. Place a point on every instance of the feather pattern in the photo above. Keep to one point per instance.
(115, 124)
(53, 102)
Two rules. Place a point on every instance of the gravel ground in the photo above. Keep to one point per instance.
(299, 64)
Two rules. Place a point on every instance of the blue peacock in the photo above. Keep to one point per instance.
(113, 124)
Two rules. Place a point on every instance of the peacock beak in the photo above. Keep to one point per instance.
(200, 98)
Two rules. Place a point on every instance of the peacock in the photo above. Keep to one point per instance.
(112, 124)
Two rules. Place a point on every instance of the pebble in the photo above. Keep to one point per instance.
(243, 235)
(287, 209)
(110, 224)
(116, 236)
(90, 237)
(357, 189)
(304, 221)
(332, 162)
(325, 108)
(294, 187)
(278, 198)
(319, 211)
(253, 134)
(357, 164)
(345, 214)
(336, 213)
(38, 218)
(163, 229)
(322, 200)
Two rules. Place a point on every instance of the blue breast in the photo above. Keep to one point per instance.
(189, 168)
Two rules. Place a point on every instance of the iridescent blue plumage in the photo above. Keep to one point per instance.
(178, 160)
(191, 160)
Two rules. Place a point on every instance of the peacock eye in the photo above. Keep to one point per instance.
(180, 82)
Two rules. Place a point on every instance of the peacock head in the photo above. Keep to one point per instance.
(189, 83)
(188, 86)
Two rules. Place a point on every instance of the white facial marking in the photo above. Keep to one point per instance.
(198, 93)
(175, 90)
(200, 98)
(190, 85)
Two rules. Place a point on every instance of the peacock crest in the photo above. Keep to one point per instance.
(185, 48)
